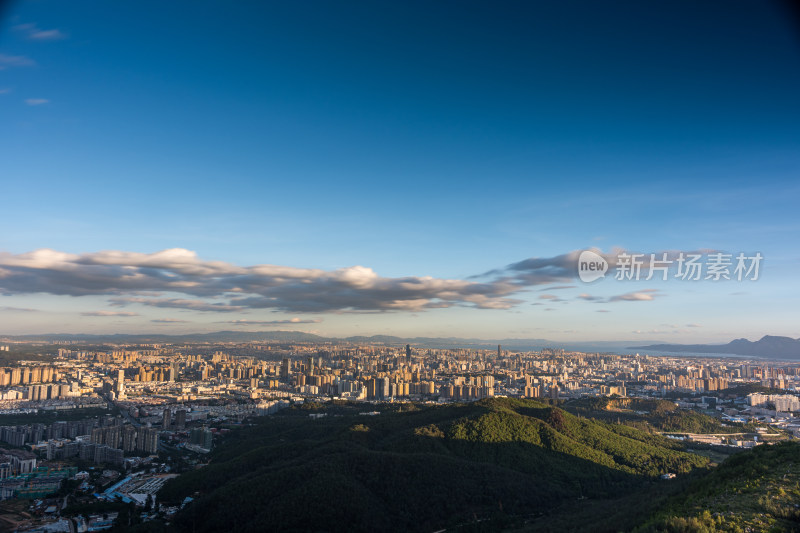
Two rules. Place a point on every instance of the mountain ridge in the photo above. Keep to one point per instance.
(766, 346)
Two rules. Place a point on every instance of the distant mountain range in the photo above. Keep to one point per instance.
(766, 346)
(213, 337)
(300, 336)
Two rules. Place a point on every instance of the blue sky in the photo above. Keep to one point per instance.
(414, 139)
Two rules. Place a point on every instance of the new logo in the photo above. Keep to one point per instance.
(591, 266)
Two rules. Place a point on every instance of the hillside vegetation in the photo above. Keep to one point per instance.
(659, 415)
(490, 464)
(758, 490)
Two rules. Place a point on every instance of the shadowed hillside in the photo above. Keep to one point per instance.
(488, 464)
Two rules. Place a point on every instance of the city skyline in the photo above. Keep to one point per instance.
(410, 170)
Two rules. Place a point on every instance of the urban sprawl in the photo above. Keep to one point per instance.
(115, 413)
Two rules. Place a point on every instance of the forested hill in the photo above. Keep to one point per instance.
(754, 491)
(492, 464)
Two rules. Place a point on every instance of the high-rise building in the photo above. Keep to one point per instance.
(166, 419)
(120, 385)
(201, 437)
(129, 439)
(97, 436)
(382, 388)
(180, 419)
(147, 440)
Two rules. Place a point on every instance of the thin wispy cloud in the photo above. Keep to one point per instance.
(559, 287)
(47, 35)
(34, 33)
(18, 309)
(8, 61)
(178, 303)
(36, 101)
(109, 313)
(169, 321)
(272, 322)
(645, 295)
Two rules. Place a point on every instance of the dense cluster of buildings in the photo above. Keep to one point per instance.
(20, 476)
(785, 403)
(171, 392)
(165, 375)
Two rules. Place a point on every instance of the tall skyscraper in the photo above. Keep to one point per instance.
(382, 385)
(120, 385)
(180, 419)
(408, 351)
(166, 419)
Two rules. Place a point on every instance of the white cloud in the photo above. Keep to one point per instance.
(640, 296)
(177, 278)
(37, 101)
